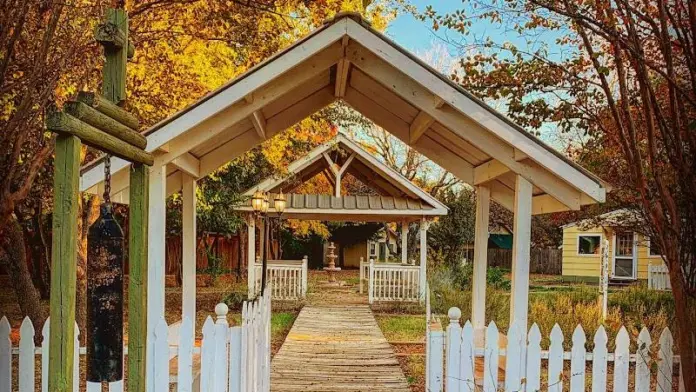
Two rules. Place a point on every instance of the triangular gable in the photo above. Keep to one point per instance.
(346, 59)
(377, 167)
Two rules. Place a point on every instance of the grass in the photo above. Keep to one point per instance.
(402, 328)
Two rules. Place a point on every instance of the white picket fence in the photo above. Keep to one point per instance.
(389, 282)
(658, 277)
(455, 361)
(234, 359)
(288, 278)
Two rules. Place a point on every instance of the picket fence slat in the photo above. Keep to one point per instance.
(577, 361)
(160, 355)
(490, 362)
(26, 356)
(621, 361)
(599, 361)
(454, 344)
(513, 356)
(94, 386)
(116, 386)
(436, 350)
(207, 354)
(5, 356)
(533, 359)
(76, 359)
(185, 357)
(44, 355)
(235, 359)
(665, 361)
(556, 360)
(643, 362)
(467, 364)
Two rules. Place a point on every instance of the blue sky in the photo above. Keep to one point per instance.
(418, 37)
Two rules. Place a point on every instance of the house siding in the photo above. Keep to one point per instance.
(575, 265)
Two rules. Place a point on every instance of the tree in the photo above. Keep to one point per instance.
(621, 75)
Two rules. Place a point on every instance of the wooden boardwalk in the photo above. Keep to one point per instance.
(336, 348)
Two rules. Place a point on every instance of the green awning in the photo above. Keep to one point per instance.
(500, 241)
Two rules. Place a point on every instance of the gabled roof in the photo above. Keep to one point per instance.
(622, 217)
(348, 60)
(358, 162)
(397, 195)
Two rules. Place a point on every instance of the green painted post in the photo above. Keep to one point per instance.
(63, 263)
(137, 286)
(114, 73)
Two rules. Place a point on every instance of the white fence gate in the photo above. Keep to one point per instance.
(456, 363)
(393, 282)
(287, 278)
(234, 359)
(658, 277)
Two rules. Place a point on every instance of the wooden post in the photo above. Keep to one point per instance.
(114, 72)
(251, 256)
(404, 242)
(156, 256)
(63, 263)
(478, 292)
(522, 228)
(423, 256)
(188, 259)
(137, 277)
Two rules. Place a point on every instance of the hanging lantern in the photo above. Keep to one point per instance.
(279, 203)
(105, 246)
(257, 201)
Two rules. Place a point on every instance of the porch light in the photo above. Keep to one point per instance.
(279, 203)
(257, 201)
(265, 204)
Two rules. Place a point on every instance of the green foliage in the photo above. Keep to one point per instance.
(453, 232)
(404, 328)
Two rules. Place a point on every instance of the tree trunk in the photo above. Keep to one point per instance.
(15, 259)
(686, 316)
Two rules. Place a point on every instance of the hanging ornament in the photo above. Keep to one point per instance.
(105, 244)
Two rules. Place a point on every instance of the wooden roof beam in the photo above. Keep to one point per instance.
(420, 124)
(259, 121)
(188, 164)
(346, 164)
(489, 171)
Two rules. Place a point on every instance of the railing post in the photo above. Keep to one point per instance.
(371, 282)
(305, 267)
(362, 273)
(454, 339)
(221, 356)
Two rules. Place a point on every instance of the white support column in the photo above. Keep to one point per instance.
(522, 229)
(478, 292)
(156, 259)
(251, 255)
(188, 254)
(404, 242)
(423, 256)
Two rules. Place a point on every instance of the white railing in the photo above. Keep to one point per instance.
(469, 366)
(234, 359)
(287, 278)
(364, 274)
(658, 277)
(393, 282)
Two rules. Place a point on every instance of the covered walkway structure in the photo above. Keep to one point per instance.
(347, 60)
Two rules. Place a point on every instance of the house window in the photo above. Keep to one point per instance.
(654, 249)
(373, 249)
(589, 244)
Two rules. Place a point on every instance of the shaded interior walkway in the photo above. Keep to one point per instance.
(336, 345)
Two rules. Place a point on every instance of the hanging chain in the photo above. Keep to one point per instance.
(107, 179)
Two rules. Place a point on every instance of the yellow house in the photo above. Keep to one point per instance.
(630, 253)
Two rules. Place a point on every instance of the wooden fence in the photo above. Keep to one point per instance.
(658, 277)
(457, 360)
(542, 261)
(234, 359)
